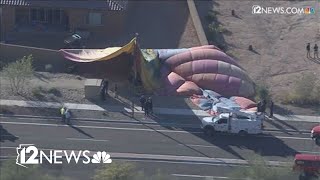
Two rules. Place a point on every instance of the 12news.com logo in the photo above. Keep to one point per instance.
(28, 154)
(257, 9)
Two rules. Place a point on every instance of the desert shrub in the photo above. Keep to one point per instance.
(262, 93)
(37, 92)
(19, 73)
(48, 67)
(126, 171)
(259, 169)
(305, 91)
(211, 16)
(9, 170)
(55, 92)
(215, 29)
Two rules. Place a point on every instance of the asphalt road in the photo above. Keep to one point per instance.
(180, 144)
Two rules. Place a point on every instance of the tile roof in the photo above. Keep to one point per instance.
(113, 5)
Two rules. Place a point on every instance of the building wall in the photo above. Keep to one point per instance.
(7, 20)
(118, 67)
(111, 21)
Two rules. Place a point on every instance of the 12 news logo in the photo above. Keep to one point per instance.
(36, 156)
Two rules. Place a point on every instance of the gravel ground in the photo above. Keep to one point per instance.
(279, 43)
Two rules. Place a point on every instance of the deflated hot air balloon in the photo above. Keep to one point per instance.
(188, 71)
(178, 71)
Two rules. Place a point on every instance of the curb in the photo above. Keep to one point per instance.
(197, 22)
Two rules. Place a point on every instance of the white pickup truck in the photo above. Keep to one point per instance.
(233, 123)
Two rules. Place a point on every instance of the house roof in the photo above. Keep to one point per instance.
(112, 5)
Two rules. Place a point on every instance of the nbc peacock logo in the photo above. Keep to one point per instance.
(101, 157)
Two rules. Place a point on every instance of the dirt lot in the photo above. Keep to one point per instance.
(279, 42)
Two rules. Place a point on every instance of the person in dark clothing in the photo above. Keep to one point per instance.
(146, 108)
(259, 106)
(315, 49)
(150, 105)
(104, 89)
(142, 102)
(264, 106)
(116, 91)
(271, 109)
(308, 50)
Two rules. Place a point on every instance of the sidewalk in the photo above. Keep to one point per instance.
(157, 110)
(92, 107)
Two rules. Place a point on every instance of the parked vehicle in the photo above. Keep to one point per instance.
(308, 165)
(233, 122)
(315, 134)
(73, 41)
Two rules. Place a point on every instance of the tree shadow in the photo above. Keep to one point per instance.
(5, 110)
(277, 126)
(237, 16)
(282, 110)
(315, 60)
(263, 145)
(286, 124)
(6, 136)
(41, 77)
(227, 32)
(254, 51)
(81, 131)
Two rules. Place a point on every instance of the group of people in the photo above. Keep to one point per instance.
(262, 106)
(146, 104)
(65, 115)
(315, 51)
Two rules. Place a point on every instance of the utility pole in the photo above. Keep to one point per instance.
(135, 55)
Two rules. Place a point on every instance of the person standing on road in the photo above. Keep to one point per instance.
(315, 49)
(67, 116)
(308, 50)
(62, 113)
(271, 109)
(115, 91)
(104, 89)
(150, 105)
(146, 108)
(142, 102)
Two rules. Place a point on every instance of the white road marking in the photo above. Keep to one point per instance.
(104, 127)
(80, 139)
(310, 152)
(296, 138)
(197, 145)
(104, 121)
(141, 129)
(201, 176)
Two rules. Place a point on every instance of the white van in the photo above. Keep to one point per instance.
(232, 123)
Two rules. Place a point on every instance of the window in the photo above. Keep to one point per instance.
(94, 19)
(223, 121)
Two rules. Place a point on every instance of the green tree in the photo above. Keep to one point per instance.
(18, 73)
(115, 171)
(262, 93)
(11, 171)
(259, 169)
(126, 171)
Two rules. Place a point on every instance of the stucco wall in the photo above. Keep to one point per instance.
(111, 21)
(7, 20)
